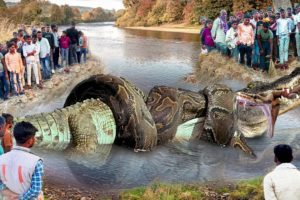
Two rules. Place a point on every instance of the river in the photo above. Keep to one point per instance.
(149, 58)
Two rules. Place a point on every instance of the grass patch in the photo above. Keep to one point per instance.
(244, 190)
(251, 189)
(162, 191)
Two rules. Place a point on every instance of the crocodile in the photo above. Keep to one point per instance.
(261, 101)
(105, 109)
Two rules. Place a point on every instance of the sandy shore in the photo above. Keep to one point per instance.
(176, 28)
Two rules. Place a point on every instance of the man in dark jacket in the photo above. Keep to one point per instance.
(73, 34)
(50, 37)
(56, 46)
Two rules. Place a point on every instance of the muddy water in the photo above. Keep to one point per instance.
(149, 58)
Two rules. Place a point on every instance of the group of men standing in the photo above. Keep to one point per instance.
(255, 38)
(38, 52)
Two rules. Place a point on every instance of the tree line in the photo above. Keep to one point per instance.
(155, 12)
(41, 11)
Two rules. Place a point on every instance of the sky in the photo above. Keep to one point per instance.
(106, 4)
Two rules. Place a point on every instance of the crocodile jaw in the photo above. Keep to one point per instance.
(269, 110)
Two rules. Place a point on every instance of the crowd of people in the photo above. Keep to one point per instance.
(255, 38)
(34, 56)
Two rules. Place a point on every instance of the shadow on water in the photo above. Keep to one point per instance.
(147, 59)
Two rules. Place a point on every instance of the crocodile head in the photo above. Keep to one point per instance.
(258, 105)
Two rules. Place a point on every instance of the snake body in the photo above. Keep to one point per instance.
(171, 107)
(143, 121)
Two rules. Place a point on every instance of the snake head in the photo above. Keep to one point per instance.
(220, 123)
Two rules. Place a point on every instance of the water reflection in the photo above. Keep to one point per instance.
(165, 35)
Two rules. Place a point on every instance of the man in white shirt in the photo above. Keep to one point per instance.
(44, 56)
(232, 39)
(30, 51)
(219, 30)
(37, 56)
(283, 183)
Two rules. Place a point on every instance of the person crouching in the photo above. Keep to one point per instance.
(21, 171)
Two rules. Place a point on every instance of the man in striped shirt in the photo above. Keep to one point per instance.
(21, 172)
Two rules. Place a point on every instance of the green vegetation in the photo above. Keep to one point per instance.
(156, 12)
(244, 190)
(38, 12)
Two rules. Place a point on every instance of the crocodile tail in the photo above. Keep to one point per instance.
(238, 141)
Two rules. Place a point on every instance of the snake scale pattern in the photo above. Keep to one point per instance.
(106, 109)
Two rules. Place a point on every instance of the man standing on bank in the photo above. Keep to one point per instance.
(284, 181)
(73, 34)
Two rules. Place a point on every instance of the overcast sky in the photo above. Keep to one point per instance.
(107, 4)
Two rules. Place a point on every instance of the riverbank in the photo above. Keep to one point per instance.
(37, 100)
(246, 190)
(221, 68)
(54, 192)
(175, 28)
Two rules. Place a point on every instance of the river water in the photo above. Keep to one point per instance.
(149, 58)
